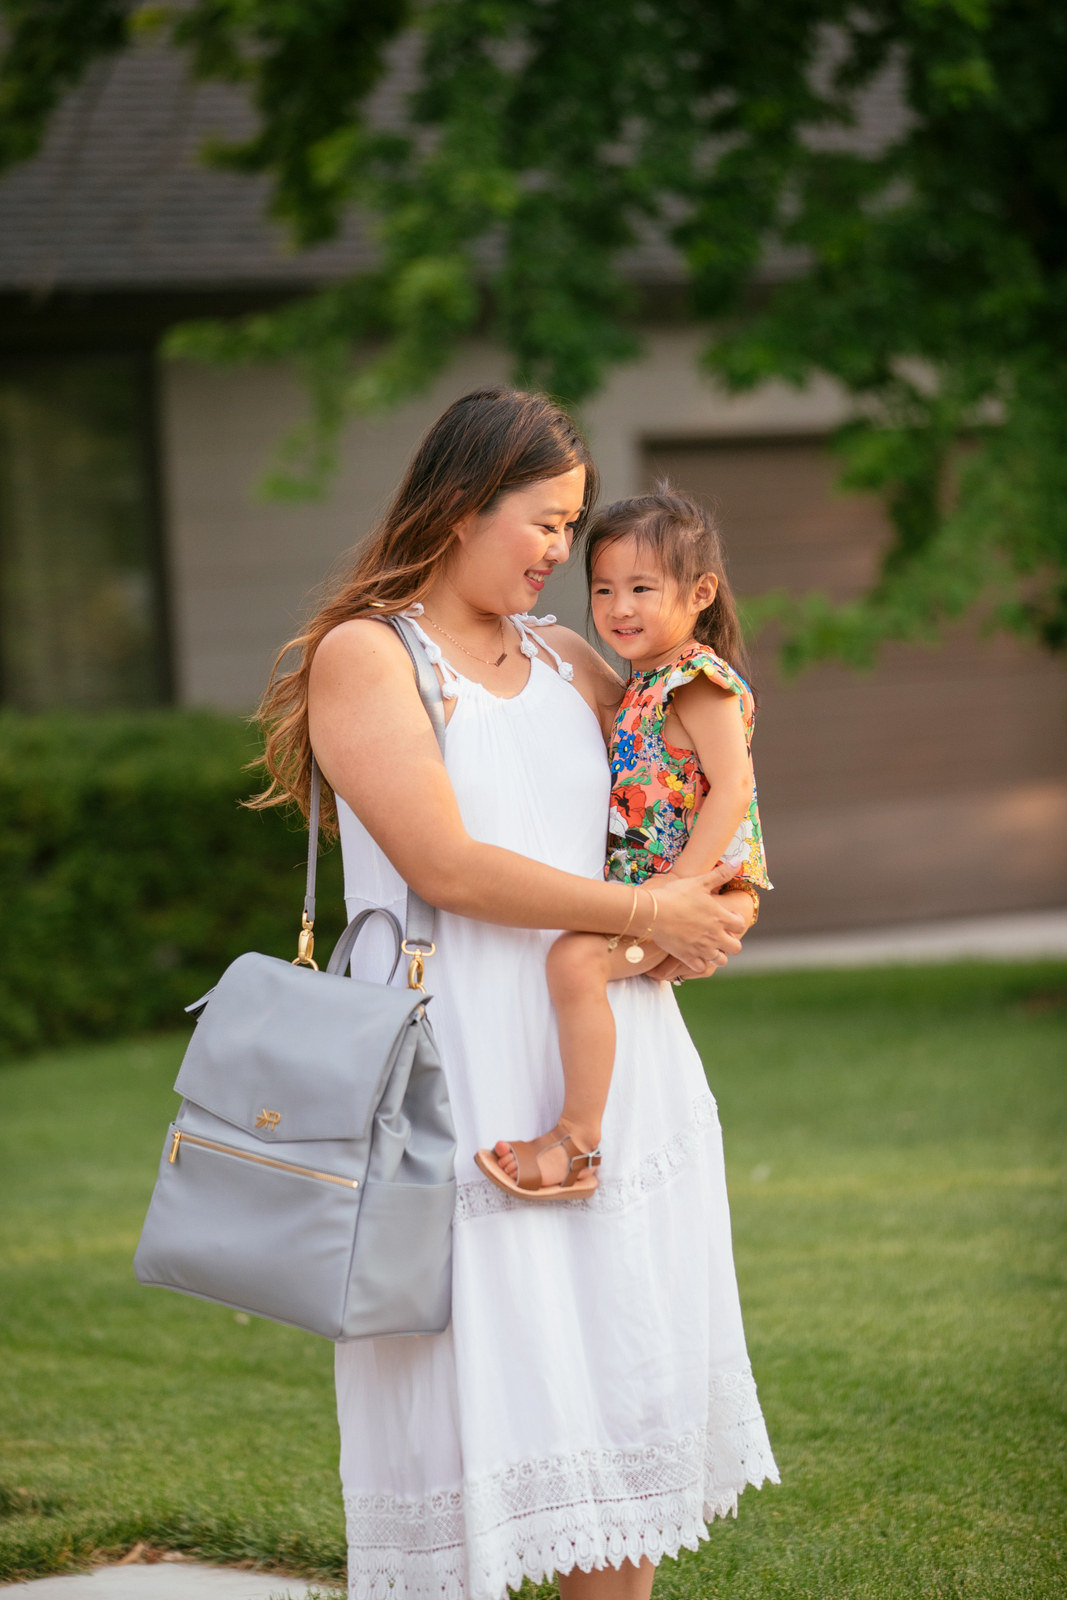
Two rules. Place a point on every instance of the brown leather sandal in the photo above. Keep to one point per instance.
(529, 1185)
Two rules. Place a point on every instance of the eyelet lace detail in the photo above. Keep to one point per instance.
(546, 1515)
(480, 1198)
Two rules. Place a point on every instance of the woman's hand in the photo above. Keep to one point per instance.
(693, 925)
(671, 970)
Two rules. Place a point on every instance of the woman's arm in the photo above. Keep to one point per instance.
(377, 750)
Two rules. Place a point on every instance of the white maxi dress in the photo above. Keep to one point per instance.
(592, 1400)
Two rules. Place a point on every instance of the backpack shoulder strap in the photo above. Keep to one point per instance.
(420, 915)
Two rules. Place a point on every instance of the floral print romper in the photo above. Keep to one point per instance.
(657, 789)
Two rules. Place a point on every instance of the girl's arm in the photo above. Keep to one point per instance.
(707, 718)
(711, 722)
(377, 750)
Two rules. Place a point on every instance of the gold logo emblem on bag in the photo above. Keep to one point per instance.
(268, 1119)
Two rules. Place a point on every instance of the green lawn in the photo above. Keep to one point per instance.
(897, 1156)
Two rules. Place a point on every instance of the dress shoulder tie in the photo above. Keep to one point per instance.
(530, 644)
(434, 653)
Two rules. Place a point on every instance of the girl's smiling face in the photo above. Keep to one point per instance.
(637, 609)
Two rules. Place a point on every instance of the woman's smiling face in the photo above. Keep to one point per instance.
(504, 558)
(637, 608)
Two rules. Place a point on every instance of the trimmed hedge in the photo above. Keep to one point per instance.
(130, 875)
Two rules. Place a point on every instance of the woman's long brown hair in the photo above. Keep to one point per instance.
(484, 445)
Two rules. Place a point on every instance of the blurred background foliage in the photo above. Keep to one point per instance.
(547, 137)
(130, 875)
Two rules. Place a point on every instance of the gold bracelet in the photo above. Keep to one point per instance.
(635, 952)
(740, 886)
(614, 940)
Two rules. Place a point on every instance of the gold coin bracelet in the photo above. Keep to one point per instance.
(635, 952)
(614, 940)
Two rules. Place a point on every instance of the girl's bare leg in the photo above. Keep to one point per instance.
(579, 969)
(629, 1583)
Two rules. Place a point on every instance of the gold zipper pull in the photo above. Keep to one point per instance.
(175, 1142)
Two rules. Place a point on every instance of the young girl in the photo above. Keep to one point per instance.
(683, 797)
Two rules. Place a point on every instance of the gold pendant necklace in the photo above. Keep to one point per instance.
(501, 658)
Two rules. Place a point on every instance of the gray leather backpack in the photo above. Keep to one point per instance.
(309, 1174)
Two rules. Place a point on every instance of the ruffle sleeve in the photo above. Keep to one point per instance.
(719, 671)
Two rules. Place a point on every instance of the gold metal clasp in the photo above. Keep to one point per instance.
(305, 945)
(417, 964)
(175, 1142)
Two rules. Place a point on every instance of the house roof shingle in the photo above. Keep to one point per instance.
(119, 198)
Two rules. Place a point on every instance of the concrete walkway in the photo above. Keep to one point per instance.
(1026, 936)
(166, 1580)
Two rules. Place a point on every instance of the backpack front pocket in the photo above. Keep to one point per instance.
(180, 1137)
(253, 1231)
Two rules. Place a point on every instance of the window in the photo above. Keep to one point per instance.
(82, 619)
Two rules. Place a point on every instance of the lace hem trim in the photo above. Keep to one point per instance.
(547, 1515)
(480, 1198)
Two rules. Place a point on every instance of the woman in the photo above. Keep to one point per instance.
(591, 1403)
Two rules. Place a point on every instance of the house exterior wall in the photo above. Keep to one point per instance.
(936, 785)
(242, 571)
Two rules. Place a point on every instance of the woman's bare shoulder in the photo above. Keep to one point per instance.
(362, 644)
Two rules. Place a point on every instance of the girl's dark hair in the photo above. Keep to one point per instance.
(484, 445)
(684, 539)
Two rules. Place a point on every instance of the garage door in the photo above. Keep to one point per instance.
(935, 785)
